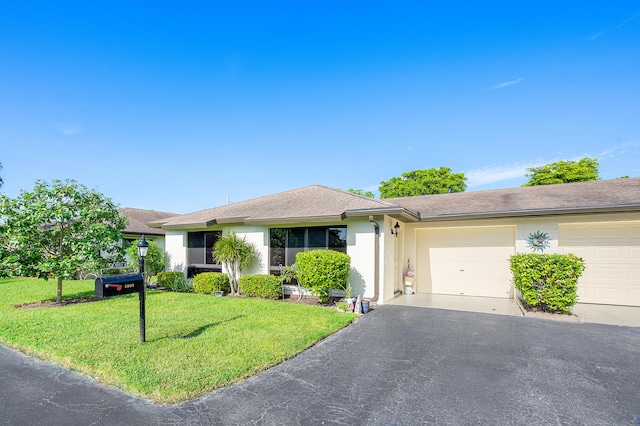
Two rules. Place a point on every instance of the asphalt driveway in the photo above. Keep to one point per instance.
(396, 365)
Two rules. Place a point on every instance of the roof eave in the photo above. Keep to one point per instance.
(193, 225)
(537, 212)
(291, 220)
(398, 213)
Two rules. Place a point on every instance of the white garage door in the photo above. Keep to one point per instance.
(612, 259)
(465, 261)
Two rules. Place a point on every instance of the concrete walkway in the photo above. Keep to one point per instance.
(396, 365)
(628, 316)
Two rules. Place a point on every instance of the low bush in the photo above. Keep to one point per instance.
(174, 281)
(547, 281)
(262, 286)
(166, 279)
(322, 270)
(210, 282)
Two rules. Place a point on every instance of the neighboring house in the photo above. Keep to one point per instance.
(138, 220)
(457, 244)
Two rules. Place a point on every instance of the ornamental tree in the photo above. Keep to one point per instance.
(423, 182)
(235, 254)
(563, 172)
(153, 263)
(59, 227)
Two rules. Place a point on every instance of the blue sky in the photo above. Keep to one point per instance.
(242, 99)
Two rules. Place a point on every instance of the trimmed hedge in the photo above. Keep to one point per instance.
(547, 281)
(323, 270)
(169, 279)
(210, 282)
(260, 285)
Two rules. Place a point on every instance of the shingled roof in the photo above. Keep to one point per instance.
(139, 218)
(317, 203)
(308, 204)
(579, 197)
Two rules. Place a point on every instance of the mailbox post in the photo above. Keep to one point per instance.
(143, 246)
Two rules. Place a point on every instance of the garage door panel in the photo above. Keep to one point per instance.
(609, 253)
(469, 261)
(612, 259)
(576, 234)
(608, 233)
(611, 274)
(634, 297)
(608, 293)
(470, 254)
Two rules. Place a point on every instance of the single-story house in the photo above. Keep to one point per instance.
(455, 244)
(137, 226)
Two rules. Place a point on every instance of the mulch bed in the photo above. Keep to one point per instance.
(54, 304)
(305, 300)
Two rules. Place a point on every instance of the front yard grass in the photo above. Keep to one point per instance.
(195, 343)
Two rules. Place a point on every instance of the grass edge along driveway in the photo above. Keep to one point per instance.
(195, 343)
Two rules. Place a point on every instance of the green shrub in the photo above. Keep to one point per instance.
(166, 279)
(210, 282)
(174, 281)
(153, 263)
(322, 270)
(547, 281)
(262, 286)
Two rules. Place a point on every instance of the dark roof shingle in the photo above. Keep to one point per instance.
(140, 218)
(602, 195)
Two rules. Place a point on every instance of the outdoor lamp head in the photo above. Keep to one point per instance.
(143, 246)
(397, 228)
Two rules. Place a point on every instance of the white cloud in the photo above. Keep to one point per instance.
(506, 172)
(620, 148)
(507, 83)
(69, 129)
(499, 173)
(596, 35)
(616, 28)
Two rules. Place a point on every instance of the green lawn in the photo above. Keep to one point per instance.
(195, 343)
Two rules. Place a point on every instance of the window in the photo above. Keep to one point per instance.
(200, 252)
(285, 243)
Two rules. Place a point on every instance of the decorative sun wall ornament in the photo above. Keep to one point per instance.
(538, 241)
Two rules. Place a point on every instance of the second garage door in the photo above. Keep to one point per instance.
(465, 261)
(612, 259)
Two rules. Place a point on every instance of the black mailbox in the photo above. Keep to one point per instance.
(115, 285)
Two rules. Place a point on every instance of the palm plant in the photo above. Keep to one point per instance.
(235, 254)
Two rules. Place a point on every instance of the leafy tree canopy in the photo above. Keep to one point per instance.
(153, 263)
(423, 182)
(1, 181)
(362, 192)
(564, 172)
(58, 228)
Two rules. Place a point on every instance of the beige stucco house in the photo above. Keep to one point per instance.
(456, 244)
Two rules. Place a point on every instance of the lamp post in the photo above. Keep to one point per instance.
(143, 246)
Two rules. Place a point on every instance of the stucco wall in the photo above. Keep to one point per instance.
(361, 249)
(259, 237)
(176, 249)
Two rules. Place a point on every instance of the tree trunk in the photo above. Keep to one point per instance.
(59, 296)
